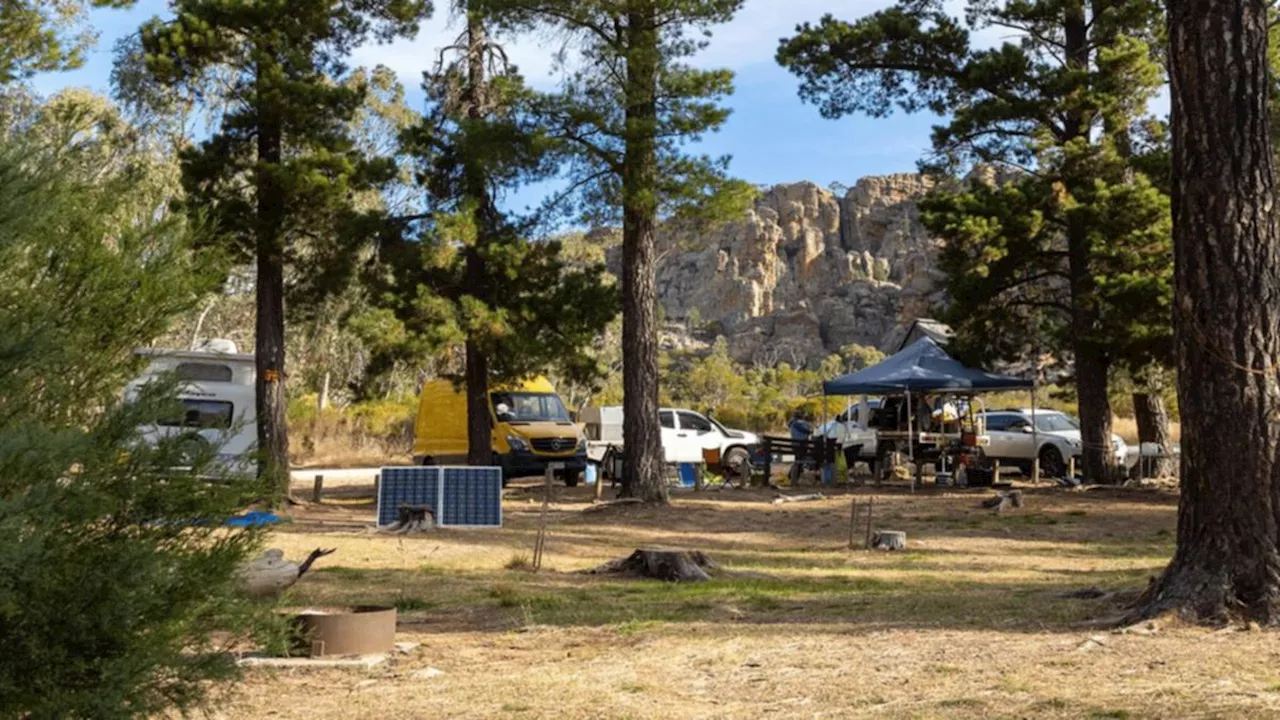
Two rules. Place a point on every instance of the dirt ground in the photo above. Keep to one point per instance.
(969, 622)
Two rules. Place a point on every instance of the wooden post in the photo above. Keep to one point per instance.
(853, 514)
(871, 505)
(317, 490)
(541, 539)
(377, 480)
(768, 462)
(599, 488)
(1071, 467)
(1035, 432)
(995, 471)
(700, 468)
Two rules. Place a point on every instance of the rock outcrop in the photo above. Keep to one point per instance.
(807, 272)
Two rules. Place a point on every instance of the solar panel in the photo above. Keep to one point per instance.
(457, 496)
(406, 486)
(471, 497)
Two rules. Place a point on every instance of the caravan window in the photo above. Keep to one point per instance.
(204, 372)
(203, 414)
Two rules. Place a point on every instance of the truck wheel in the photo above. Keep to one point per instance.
(1051, 462)
(570, 477)
(736, 459)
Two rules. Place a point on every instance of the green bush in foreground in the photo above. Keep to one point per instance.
(116, 577)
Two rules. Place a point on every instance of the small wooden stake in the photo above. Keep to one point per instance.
(377, 479)
(1071, 467)
(541, 540)
(1035, 471)
(599, 482)
(317, 490)
(995, 471)
(853, 514)
(871, 505)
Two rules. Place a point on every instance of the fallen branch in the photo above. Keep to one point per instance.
(613, 503)
(798, 498)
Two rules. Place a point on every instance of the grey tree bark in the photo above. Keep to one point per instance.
(269, 349)
(1153, 427)
(479, 422)
(1227, 257)
(642, 439)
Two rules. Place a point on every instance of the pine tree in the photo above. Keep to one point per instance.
(278, 173)
(626, 112)
(1227, 242)
(468, 275)
(1034, 260)
(112, 604)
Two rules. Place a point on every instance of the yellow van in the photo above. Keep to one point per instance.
(531, 428)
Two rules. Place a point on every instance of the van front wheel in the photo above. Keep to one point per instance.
(570, 477)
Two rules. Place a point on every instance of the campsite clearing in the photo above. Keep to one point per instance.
(973, 620)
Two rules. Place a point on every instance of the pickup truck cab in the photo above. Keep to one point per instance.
(685, 434)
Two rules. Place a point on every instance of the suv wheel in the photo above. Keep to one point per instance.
(1051, 462)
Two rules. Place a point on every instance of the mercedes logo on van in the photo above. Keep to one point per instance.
(560, 444)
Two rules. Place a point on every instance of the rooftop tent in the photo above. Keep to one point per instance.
(922, 367)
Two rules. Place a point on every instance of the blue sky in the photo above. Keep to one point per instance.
(772, 136)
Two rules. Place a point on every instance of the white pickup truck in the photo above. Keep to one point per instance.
(685, 434)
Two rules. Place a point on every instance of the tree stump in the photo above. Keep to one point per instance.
(413, 518)
(666, 564)
(889, 540)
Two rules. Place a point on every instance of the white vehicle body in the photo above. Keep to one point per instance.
(854, 429)
(1012, 437)
(685, 434)
(217, 390)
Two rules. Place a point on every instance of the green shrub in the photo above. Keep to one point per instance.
(114, 600)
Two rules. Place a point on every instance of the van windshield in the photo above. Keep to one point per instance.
(529, 407)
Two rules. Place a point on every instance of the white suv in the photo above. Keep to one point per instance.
(1057, 433)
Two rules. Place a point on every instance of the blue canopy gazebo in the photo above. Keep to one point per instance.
(923, 367)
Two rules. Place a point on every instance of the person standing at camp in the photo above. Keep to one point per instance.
(801, 430)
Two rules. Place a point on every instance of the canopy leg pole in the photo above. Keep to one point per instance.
(1035, 435)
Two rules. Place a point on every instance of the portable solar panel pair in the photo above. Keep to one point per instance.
(459, 497)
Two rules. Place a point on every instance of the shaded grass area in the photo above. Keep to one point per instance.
(920, 598)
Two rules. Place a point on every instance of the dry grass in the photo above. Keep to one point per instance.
(968, 623)
(1127, 428)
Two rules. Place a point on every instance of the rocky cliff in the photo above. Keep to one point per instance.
(807, 271)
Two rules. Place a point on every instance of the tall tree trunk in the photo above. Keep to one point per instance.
(1091, 365)
(1153, 428)
(479, 422)
(273, 432)
(1227, 276)
(642, 438)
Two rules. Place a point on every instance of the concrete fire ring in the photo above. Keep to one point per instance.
(360, 630)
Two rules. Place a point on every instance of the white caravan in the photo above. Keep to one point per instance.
(217, 391)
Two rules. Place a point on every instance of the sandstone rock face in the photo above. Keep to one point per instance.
(806, 272)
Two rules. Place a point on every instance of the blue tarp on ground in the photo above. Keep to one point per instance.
(922, 367)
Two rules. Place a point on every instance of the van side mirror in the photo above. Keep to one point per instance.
(1025, 428)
